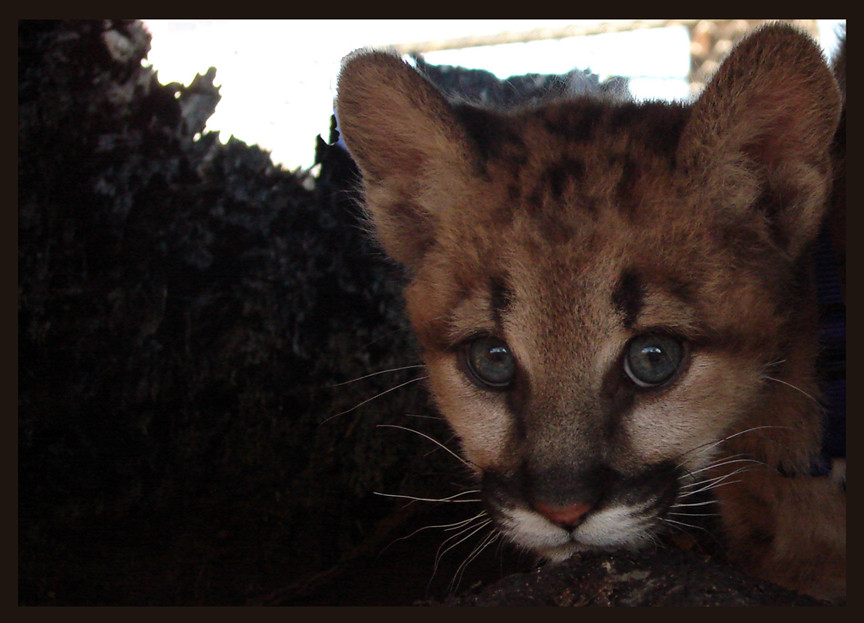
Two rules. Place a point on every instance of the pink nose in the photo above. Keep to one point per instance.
(564, 515)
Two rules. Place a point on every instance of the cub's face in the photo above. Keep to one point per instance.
(585, 353)
(605, 292)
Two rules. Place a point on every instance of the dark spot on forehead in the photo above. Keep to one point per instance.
(559, 182)
(492, 135)
(654, 126)
(577, 123)
(564, 171)
(626, 197)
(662, 128)
(627, 297)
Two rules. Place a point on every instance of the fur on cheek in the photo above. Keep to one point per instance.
(481, 422)
(687, 422)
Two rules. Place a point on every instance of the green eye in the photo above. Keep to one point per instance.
(652, 359)
(490, 361)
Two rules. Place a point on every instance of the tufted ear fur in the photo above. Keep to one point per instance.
(407, 142)
(759, 135)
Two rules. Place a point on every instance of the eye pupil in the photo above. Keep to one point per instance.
(490, 361)
(652, 359)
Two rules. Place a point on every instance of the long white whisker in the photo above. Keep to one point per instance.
(458, 524)
(478, 549)
(471, 529)
(380, 372)
(457, 576)
(417, 499)
(797, 389)
(714, 485)
(368, 400)
(433, 440)
(709, 444)
(754, 428)
(446, 526)
(675, 523)
(680, 505)
(703, 485)
(424, 417)
(730, 462)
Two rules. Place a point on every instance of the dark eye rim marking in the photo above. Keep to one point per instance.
(679, 366)
(628, 296)
(470, 366)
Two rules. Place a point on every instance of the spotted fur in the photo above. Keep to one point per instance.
(568, 229)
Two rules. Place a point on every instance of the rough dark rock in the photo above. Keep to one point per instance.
(668, 578)
(185, 309)
(481, 87)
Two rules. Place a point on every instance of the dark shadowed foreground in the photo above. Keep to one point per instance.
(188, 315)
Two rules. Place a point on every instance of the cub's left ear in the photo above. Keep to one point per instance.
(759, 135)
(406, 139)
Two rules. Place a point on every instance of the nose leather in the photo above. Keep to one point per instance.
(564, 516)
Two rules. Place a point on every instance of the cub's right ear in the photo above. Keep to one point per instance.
(405, 139)
(759, 135)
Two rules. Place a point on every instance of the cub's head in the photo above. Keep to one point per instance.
(604, 292)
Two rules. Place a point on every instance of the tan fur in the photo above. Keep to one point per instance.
(568, 229)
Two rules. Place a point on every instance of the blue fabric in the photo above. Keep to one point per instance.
(831, 364)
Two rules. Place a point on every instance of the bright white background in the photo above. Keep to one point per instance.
(278, 77)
